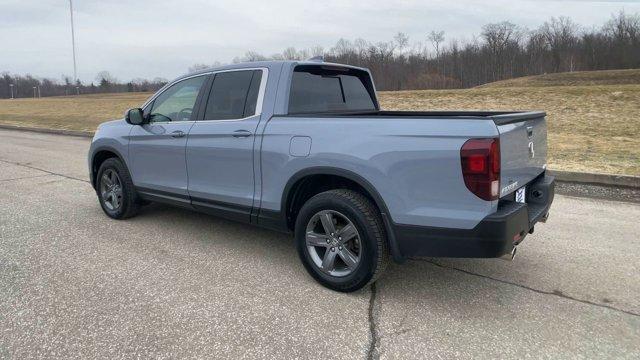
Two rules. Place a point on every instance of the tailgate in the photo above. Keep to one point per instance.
(523, 148)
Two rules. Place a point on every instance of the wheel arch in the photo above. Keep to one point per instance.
(296, 184)
(98, 157)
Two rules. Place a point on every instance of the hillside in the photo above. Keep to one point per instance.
(577, 78)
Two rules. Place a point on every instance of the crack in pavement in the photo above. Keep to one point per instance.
(544, 292)
(373, 330)
(25, 177)
(44, 170)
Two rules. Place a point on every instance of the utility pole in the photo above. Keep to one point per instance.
(11, 86)
(39, 95)
(73, 43)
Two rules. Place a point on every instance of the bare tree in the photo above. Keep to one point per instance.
(436, 38)
(623, 27)
(499, 35)
(501, 39)
(361, 46)
(303, 54)
(251, 56)
(197, 67)
(317, 51)
(105, 80)
(277, 56)
(105, 75)
(343, 47)
(402, 40)
(290, 53)
(623, 32)
(561, 36)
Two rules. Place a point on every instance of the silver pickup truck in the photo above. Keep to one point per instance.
(303, 147)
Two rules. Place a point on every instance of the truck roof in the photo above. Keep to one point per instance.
(267, 64)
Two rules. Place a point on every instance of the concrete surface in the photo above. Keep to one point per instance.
(172, 283)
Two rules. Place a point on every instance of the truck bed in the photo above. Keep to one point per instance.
(523, 137)
(499, 117)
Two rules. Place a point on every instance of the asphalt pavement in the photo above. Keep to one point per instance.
(172, 283)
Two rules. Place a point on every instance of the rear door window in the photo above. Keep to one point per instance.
(316, 89)
(234, 95)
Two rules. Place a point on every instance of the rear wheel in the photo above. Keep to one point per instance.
(341, 240)
(115, 190)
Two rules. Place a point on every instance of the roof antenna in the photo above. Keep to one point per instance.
(319, 58)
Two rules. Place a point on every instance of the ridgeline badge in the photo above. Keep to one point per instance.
(508, 188)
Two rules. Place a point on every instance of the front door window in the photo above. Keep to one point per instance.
(177, 102)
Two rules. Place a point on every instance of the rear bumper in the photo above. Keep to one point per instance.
(494, 236)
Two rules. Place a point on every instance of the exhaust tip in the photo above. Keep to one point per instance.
(509, 256)
(544, 218)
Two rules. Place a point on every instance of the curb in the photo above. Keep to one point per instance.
(596, 178)
(85, 134)
(563, 176)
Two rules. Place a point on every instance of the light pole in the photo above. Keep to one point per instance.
(34, 92)
(11, 86)
(73, 42)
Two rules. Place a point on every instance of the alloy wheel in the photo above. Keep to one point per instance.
(111, 190)
(334, 243)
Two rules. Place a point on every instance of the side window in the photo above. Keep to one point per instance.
(176, 103)
(234, 95)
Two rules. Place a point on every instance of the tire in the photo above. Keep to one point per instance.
(128, 201)
(368, 245)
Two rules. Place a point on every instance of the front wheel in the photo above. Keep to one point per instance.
(341, 240)
(115, 190)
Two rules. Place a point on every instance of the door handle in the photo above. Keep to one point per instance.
(177, 134)
(241, 133)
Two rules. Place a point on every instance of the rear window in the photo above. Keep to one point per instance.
(330, 89)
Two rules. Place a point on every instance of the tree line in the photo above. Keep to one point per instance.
(21, 86)
(501, 51)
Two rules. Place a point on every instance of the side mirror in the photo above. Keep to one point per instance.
(134, 116)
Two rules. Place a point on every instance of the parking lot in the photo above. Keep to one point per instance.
(172, 283)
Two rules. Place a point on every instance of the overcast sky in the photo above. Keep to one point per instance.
(150, 38)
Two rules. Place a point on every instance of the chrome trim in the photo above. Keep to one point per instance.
(226, 120)
(261, 93)
(262, 90)
(170, 122)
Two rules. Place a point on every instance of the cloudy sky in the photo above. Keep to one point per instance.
(150, 38)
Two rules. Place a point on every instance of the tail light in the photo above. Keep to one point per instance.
(480, 159)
